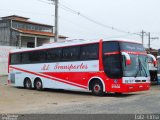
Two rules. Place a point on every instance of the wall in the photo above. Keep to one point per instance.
(4, 32)
(4, 52)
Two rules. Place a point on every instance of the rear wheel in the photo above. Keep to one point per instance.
(27, 83)
(97, 88)
(39, 85)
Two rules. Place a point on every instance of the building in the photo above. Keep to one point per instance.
(20, 31)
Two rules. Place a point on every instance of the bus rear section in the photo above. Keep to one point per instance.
(99, 66)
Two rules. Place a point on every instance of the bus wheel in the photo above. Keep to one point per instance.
(27, 83)
(97, 88)
(38, 84)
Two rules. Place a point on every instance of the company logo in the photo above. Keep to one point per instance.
(115, 81)
(70, 67)
(45, 67)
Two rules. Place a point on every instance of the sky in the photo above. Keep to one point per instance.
(131, 16)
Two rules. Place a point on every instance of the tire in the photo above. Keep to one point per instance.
(118, 93)
(97, 88)
(27, 83)
(39, 85)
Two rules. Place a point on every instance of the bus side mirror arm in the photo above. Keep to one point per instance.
(153, 58)
(128, 59)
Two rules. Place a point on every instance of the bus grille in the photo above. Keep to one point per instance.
(140, 81)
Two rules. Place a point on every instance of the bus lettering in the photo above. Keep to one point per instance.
(70, 67)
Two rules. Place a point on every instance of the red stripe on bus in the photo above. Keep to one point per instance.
(111, 53)
(49, 77)
(129, 52)
(135, 53)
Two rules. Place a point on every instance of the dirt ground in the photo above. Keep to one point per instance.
(17, 100)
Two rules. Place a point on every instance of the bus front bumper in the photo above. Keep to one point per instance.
(126, 88)
(136, 87)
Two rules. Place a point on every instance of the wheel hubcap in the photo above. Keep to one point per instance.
(38, 84)
(97, 88)
(28, 84)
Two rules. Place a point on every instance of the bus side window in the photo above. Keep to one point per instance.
(89, 52)
(15, 58)
(71, 53)
(37, 56)
(53, 55)
(25, 58)
(65, 54)
(74, 53)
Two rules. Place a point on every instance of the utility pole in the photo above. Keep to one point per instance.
(56, 2)
(56, 20)
(142, 36)
(149, 41)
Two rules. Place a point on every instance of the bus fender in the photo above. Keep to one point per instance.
(98, 78)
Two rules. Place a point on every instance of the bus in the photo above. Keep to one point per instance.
(158, 67)
(101, 66)
(152, 69)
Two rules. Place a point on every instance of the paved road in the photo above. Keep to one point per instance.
(144, 102)
(16, 100)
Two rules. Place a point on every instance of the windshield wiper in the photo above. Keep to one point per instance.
(138, 68)
(143, 68)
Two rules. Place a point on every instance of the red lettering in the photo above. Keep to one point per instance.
(45, 67)
(71, 66)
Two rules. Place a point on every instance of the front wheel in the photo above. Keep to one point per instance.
(97, 88)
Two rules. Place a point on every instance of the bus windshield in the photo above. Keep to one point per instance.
(137, 68)
(139, 61)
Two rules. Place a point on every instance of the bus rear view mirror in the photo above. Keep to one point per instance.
(128, 59)
(154, 61)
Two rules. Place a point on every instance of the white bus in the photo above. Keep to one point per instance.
(98, 66)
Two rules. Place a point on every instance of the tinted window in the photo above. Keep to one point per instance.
(25, 57)
(89, 52)
(15, 58)
(37, 56)
(110, 47)
(112, 62)
(112, 66)
(53, 55)
(132, 47)
(71, 53)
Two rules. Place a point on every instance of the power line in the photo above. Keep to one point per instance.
(83, 28)
(93, 21)
(11, 10)
(61, 17)
(64, 7)
(44, 2)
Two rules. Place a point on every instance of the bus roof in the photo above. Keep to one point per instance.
(69, 43)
